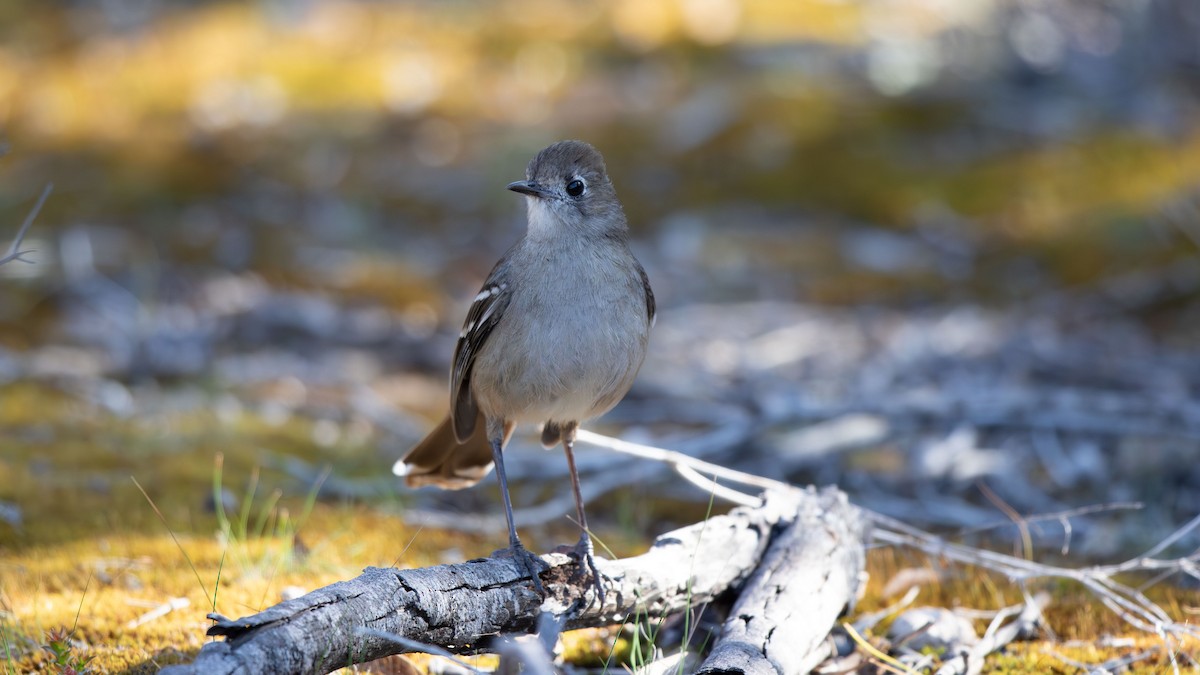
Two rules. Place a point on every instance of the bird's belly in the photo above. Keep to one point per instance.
(569, 376)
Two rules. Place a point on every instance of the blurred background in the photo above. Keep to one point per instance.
(942, 253)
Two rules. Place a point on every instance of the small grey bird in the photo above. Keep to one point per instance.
(556, 335)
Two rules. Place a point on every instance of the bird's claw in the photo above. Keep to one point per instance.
(583, 552)
(530, 563)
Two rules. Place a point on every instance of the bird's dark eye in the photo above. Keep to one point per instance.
(575, 187)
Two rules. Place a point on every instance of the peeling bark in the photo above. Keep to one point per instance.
(811, 573)
(463, 607)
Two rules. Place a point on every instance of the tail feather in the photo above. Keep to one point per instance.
(439, 459)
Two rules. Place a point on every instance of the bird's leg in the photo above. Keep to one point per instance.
(532, 564)
(583, 550)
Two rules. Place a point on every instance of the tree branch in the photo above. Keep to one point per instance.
(781, 621)
(464, 607)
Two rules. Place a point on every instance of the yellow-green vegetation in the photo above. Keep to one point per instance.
(1077, 620)
(223, 117)
(236, 534)
(149, 123)
(154, 85)
(232, 534)
(91, 542)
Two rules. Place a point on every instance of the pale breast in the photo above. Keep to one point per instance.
(569, 350)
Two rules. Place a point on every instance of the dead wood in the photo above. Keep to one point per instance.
(812, 572)
(464, 607)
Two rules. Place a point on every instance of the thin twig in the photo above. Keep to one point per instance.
(676, 459)
(1128, 603)
(158, 612)
(1060, 516)
(1172, 538)
(171, 532)
(1013, 515)
(14, 252)
(868, 621)
(696, 471)
(714, 488)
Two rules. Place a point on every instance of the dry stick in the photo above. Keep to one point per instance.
(696, 471)
(812, 564)
(869, 621)
(604, 482)
(1006, 509)
(158, 612)
(1171, 539)
(1063, 517)
(675, 459)
(714, 488)
(1128, 603)
(786, 609)
(13, 250)
(996, 637)
(463, 607)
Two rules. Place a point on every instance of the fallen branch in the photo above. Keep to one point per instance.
(1127, 602)
(808, 577)
(970, 661)
(464, 607)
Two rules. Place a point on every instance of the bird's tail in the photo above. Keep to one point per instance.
(440, 460)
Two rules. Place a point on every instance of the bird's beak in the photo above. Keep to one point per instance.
(528, 187)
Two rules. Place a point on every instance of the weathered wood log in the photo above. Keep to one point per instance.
(812, 571)
(462, 607)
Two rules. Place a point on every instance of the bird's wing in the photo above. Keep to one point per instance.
(483, 316)
(651, 309)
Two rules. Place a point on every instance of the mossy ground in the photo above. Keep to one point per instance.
(92, 554)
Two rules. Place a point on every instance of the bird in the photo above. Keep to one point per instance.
(556, 335)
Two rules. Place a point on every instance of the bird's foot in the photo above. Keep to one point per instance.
(532, 564)
(583, 552)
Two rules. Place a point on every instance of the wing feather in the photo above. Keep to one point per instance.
(485, 313)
